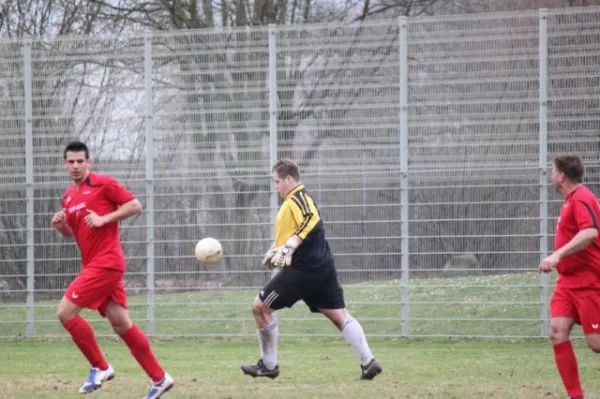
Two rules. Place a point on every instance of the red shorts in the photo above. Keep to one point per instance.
(582, 305)
(94, 287)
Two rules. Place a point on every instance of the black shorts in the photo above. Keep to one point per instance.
(319, 289)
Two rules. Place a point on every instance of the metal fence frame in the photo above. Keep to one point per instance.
(403, 101)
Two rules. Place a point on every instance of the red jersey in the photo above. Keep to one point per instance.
(100, 247)
(582, 269)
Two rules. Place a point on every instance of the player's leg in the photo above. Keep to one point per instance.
(588, 306)
(115, 310)
(563, 316)
(81, 333)
(268, 336)
(353, 334)
(84, 292)
(329, 300)
(282, 291)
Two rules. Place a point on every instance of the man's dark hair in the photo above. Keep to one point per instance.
(76, 146)
(286, 167)
(571, 166)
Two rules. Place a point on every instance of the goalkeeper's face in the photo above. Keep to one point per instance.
(283, 185)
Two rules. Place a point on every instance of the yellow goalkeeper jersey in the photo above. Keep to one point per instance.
(299, 215)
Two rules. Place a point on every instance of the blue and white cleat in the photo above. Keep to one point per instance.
(96, 378)
(157, 390)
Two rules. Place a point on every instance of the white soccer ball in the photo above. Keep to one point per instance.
(209, 251)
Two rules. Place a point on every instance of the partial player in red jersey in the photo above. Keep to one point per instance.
(92, 208)
(576, 258)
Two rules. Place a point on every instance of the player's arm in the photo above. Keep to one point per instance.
(128, 205)
(307, 217)
(578, 243)
(125, 211)
(66, 231)
(581, 241)
(585, 212)
(59, 222)
(585, 215)
(294, 241)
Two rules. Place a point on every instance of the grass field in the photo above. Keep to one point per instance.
(501, 305)
(505, 306)
(316, 368)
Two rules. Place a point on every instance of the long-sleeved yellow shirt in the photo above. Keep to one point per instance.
(299, 215)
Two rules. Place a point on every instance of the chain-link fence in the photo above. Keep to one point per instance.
(424, 141)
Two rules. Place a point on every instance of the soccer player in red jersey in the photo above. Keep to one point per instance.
(576, 258)
(92, 208)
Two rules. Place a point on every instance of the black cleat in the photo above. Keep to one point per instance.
(371, 370)
(260, 370)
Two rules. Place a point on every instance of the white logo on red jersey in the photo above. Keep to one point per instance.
(76, 208)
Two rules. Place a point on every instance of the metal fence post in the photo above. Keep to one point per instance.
(149, 183)
(404, 257)
(29, 191)
(274, 199)
(273, 110)
(543, 164)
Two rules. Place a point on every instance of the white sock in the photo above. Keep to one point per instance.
(354, 335)
(267, 339)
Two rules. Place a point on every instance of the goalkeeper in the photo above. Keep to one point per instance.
(307, 273)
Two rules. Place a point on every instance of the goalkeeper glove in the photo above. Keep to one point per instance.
(283, 256)
(266, 262)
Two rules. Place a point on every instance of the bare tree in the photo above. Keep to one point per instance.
(202, 71)
(70, 101)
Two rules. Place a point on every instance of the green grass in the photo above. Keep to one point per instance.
(315, 368)
(502, 305)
